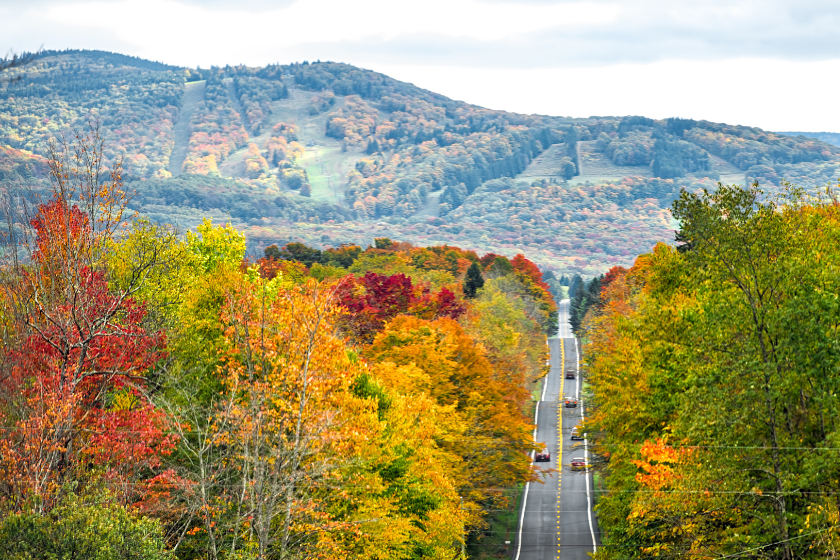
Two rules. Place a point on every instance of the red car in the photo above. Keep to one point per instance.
(579, 464)
(570, 374)
(542, 457)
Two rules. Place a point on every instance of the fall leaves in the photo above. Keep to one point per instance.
(73, 390)
(340, 404)
(712, 369)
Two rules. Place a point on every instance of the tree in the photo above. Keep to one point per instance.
(473, 281)
(740, 240)
(745, 320)
(298, 252)
(499, 320)
(83, 527)
(568, 169)
(374, 299)
(74, 387)
(272, 252)
(290, 422)
(342, 256)
(13, 60)
(667, 159)
(587, 296)
(456, 371)
(571, 142)
(383, 243)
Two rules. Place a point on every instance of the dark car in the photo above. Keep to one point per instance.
(578, 464)
(570, 374)
(576, 435)
(542, 457)
(571, 402)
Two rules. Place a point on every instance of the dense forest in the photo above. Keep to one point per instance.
(409, 158)
(713, 369)
(167, 396)
(581, 229)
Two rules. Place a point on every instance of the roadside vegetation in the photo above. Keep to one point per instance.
(714, 367)
(349, 374)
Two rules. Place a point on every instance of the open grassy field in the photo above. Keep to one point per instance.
(432, 207)
(326, 163)
(594, 166)
(193, 96)
(544, 166)
(597, 167)
(327, 167)
(729, 174)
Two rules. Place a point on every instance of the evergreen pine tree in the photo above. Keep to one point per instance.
(574, 284)
(685, 244)
(473, 281)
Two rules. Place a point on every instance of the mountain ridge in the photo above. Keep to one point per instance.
(322, 152)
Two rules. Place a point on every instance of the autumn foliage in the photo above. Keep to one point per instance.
(715, 414)
(346, 403)
(374, 299)
(73, 392)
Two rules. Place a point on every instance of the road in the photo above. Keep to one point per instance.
(556, 520)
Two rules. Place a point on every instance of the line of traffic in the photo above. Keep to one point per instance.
(552, 520)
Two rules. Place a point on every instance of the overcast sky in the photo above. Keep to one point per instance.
(768, 63)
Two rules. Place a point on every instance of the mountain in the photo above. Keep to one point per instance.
(830, 137)
(326, 153)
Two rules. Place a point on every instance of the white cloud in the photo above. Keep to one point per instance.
(769, 63)
(771, 94)
(161, 26)
(473, 33)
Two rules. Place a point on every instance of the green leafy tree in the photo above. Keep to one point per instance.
(728, 351)
(95, 528)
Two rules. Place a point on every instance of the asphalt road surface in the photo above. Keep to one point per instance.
(557, 521)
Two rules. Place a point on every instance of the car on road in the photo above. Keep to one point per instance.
(577, 435)
(542, 457)
(570, 374)
(579, 464)
(571, 402)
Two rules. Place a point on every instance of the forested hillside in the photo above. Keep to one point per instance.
(713, 367)
(830, 137)
(262, 143)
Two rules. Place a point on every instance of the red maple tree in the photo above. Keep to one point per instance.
(73, 400)
(374, 299)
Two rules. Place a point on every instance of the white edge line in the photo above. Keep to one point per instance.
(522, 520)
(585, 452)
(528, 484)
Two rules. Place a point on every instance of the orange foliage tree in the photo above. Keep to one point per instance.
(289, 420)
(457, 372)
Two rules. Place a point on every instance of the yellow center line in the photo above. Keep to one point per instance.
(561, 402)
